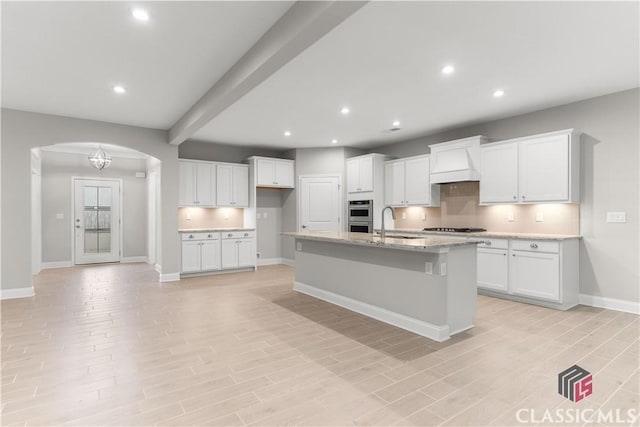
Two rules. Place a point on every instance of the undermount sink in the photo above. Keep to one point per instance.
(391, 236)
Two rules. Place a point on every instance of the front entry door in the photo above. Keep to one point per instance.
(96, 221)
(320, 203)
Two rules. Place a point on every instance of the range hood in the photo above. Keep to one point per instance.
(456, 161)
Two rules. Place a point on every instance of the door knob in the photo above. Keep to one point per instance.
(78, 226)
(304, 226)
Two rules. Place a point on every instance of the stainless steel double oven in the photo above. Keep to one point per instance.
(361, 216)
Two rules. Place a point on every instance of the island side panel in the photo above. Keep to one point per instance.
(387, 284)
(462, 293)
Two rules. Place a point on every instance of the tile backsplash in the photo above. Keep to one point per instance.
(459, 208)
(210, 217)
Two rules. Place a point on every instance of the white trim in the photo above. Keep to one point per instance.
(158, 268)
(274, 261)
(126, 259)
(420, 327)
(16, 293)
(56, 264)
(289, 262)
(169, 277)
(609, 303)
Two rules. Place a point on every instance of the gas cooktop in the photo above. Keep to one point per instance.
(456, 229)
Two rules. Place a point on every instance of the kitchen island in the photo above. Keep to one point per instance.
(424, 285)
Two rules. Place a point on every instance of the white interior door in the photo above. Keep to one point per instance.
(96, 221)
(320, 204)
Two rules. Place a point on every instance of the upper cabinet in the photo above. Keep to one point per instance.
(536, 169)
(360, 174)
(197, 183)
(232, 185)
(276, 173)
(407, 183)
(200, 185)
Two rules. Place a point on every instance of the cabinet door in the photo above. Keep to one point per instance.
(210, 257)
(417, 189)
(499, 173)
(394, 183)
(265, 172)
(240, 187)
(535, 274)
(186, 184)
(544, 169)
(190, 257)
(224, 185)
(229, 253)
(493, 269)
(284, 174)
(206, 184)
(366, 173)
(353, 176)
(246, 253)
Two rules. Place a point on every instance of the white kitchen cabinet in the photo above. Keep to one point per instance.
(360, 172)
(407, 183)
(238, 250)
(493, 264)
(499, 173)
(196, 183)
(200, 252)
(535, 274)
(232, 185)
(535, 169)
(278, 173)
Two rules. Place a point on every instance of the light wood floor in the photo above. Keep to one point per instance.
(108, 345)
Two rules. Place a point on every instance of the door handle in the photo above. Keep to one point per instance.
(304, 226)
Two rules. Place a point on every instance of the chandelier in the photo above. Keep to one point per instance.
(100, 159)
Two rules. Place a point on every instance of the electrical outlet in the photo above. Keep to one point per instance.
(616, 217)
(539, 217)
(188, 216)
(264, 215)
(258, 215)
(424, 216)
(428, 267)
(443, 269)
(510, 217)
(404, 215)
(298, 246)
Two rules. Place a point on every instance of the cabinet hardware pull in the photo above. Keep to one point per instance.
(533, 245)
(523, 197)
(513, 255)
(209, 235)
(487, 242)
(515, 198)
(191, 236)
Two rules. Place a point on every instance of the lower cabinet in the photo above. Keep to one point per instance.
(200, 252)
(209, 252)
(535, 271)
(238, 249)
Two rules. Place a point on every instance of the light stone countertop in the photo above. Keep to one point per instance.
(485, 234)
(426, 244)
(204, 230)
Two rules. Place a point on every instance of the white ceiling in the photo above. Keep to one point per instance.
(385, 64)
(64, 57)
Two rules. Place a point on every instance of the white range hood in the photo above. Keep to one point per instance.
(456, 161)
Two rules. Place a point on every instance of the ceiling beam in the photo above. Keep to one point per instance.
(302, 25)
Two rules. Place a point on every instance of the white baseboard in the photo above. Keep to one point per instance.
(127, 259)
(169, 277)
(269, 261)
(609, 303)
(289, 262)
(16, 293)
(158, 268)
(425, 329)
(56, 264)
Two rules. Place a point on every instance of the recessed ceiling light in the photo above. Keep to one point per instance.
(140, 14)
(345, 110)
(119, 89)
(448, 69)
(395, 123)
(334, 141)
(287, 133)
(498, 93)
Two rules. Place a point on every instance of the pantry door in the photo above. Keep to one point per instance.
(320, 203)
(96, 220)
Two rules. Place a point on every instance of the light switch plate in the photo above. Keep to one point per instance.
(510, 217)
(616, 217)
(258, 215)
(424, 216)
(404, 215)
(539, 217)
(264, 215)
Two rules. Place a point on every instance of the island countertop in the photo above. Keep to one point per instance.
(426, 244)
(485, 234)
(213, 229)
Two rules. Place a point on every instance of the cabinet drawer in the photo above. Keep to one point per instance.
(494, 244)
(211, 235)
(237, 234)
(535, 246)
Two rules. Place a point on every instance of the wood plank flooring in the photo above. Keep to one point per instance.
(108, 345)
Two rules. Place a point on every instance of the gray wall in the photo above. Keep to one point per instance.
(269, 202)
(57, 171)
(198, 150)
(22, 131)
(609, 253)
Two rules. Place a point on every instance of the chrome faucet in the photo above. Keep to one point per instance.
(393, 216)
